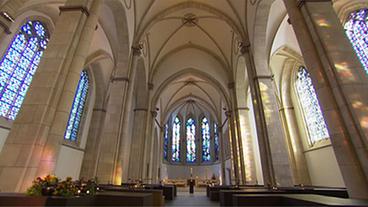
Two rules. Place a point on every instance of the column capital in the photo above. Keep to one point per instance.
(228, 113)
(231, 85)
(244, 47)
(137, 49)
(271, 77)
(81, 8)
(5, 21)
(301, 3)
(150, 86)
(118, 79)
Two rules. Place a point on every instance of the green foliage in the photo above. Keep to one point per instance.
(50, 186)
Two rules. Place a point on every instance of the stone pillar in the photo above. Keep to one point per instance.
(234, 147)
(341, 84)
(33, 144)
(211, 122)
(292, 132)
(108, 171)
(238, 138)
(247, 146)
(222, 154)
(273, 148)
(92, 150)
(199, 140)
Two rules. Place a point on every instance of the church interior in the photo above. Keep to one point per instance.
(247, 100)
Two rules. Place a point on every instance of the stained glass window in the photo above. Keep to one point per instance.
(76, 112)
(206, 141)
(315, 122)
(18, 66)
(191, 145)
(357, 31)
(176, 140)
(166, 141)
(217, 143)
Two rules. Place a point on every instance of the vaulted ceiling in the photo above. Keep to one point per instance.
(189, 47)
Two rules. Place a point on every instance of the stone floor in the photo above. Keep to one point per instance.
(196, 199)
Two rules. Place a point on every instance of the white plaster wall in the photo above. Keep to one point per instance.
(3, 135)
(69, 162)
(323, 168)
(202, 172)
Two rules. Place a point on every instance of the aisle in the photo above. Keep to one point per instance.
(196, 199)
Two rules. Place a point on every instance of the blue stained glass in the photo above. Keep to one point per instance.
(176, 140)
(206, 141)
(166, 141)
(217, 143)
(191, 145)
(313, 116)
(17, 66)
(357, 31)
(76, 113)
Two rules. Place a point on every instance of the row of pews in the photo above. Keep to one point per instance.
(109, 195)
(287, 196)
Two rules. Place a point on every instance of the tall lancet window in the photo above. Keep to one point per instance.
(316, 126)
(357, 31)
(217, 143)
(191, 145)
(176, 140)
(76, 113)
(206, 156)
(19, 64)
(166, 141)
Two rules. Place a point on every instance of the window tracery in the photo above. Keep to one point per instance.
(18, 66)
(316, 126)
(78, 106)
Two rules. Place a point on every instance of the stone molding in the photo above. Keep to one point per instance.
(126, 79)
(82, 9)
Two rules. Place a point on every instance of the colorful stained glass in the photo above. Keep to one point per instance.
(357, 31)
(217, 143)
(206, 141)
(166, 141)
(176, 140)
(315, 122)
(18, 66)
(191, 145)
(75, 116)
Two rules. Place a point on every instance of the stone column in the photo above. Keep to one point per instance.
(273, 148)
(33, 144)
(222, 153)
(247, 146)
(212, 139)
(341, 84)
(92, 150)
(108, 171)
(237, 132)
(199, 141)
(234, 148)
(57, 129)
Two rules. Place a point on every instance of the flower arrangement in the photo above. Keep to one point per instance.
(50, 185)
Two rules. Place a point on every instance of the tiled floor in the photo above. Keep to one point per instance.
(196, 199)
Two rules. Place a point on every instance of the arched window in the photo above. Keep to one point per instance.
(18, 66)
(191, 145)
(176, 140)
(217, 143)
(206, 156)
(76, 112)
(357, 31)
(316, 126)
(166, 141)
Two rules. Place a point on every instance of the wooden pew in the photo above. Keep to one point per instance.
(157, 194)
(226, 195)
(294, 200)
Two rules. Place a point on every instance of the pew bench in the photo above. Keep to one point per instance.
(294, 200)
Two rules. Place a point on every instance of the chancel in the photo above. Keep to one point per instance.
(183, 102)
